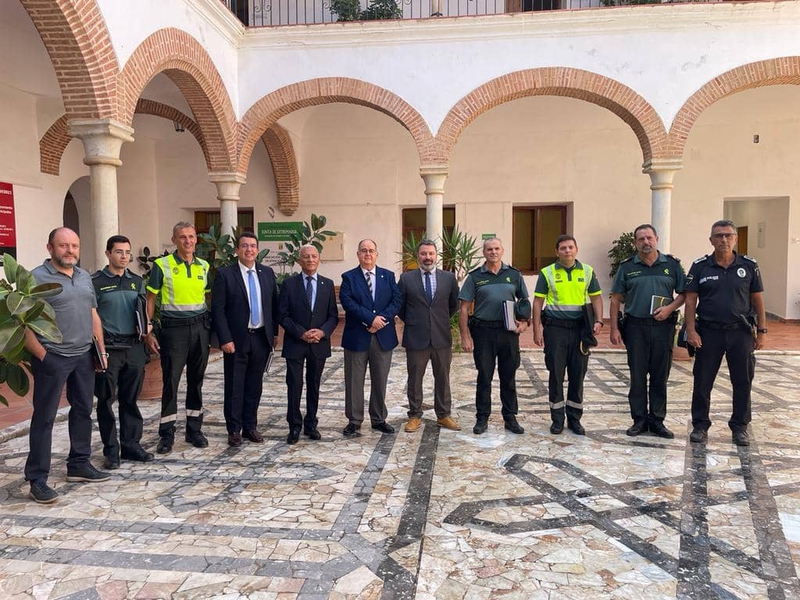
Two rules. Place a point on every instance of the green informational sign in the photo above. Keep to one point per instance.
(488, 236)
(277, 231)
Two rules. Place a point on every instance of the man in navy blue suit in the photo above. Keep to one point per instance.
(308, 314)
(244, 309)
(371, 300)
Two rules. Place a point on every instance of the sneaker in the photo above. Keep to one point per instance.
(87, 472)
(42, 493)
(698, 436)
(514, 427)
(414, 423)
(481, 425)
(448, 423)
(196, 439)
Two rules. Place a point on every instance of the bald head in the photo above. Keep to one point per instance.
(64, 247)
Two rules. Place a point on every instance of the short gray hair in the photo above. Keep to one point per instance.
(374, 243)
(312, 246)
(492, 239)
(723, 223)
(182, 225)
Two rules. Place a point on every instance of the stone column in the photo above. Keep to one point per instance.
(102, 141)
(434, 178)
(228, 185)
(662, 172)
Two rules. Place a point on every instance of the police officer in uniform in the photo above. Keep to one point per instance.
(485, 335)
(120, 297)
(567, 285)
(180, 281)
(646, 283)
(724, 305)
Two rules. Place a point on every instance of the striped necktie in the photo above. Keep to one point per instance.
(368, 275)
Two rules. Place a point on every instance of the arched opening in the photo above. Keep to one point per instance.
(77, 215)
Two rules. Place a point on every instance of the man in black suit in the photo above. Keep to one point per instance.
(308, 314)
(429, 297)
(244, 308)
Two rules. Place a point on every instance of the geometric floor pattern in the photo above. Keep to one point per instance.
(435, 514)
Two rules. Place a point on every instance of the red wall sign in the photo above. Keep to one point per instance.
(8, 224)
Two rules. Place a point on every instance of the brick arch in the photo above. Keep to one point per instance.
(555, 81)
(327, 90)
(774, 71)
(77, 40)
(55, 140)
(181, 58)
(284, 166)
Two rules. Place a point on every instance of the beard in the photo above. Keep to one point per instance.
(66, 262)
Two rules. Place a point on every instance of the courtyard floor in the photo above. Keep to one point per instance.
(435, 514)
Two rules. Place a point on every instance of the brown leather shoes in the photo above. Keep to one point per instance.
(253, 435)
(414, 423)
(448, 423)
(234, 439)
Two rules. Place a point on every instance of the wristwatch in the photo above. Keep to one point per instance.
(601, 323)
(762, 330)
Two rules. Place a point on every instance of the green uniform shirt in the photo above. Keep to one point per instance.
(117, 297)
(638, 282)
(571, 291)
(489, 291)
(182, 286)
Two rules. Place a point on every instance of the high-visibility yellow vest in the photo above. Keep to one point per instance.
(183, 290)
(566, 297)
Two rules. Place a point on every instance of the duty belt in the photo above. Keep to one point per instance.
(721, 326)
(651, 321)
(565, 323)
(487, 324)
(120, 342)
(172, 322)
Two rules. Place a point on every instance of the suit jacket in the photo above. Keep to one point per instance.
(296, 317)
(360, 310)
(427, 325)
(230, 308)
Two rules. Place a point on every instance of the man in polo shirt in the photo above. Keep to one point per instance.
(725, 316)
(70, 362)
(567, 285)
(485, 335)
(120, 298)
(646, 283)
(180, 281)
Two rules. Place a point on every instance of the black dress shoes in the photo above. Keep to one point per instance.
(352, 430)
(661, 431)
(313, 434)
(253, 435)
(110, 463)
(293, 437)
(514, 427)
(138, 455)
(638, 428)
(740, 437)
(576, 428)
(481, 425)
(234, 439)
(383, 427)
(698, 436)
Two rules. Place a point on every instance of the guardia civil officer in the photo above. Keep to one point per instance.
(485, 335)
(566, 285)
(724, 309)
(646, 283)
(120, 304)
(181, 337)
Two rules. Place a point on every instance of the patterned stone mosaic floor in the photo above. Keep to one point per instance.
(435, 514)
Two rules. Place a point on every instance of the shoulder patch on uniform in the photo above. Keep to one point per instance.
(475, 270)
(513, 267)
(96, 274)
(624, 260)
(673, 257)
(701, 259)
(750, 258)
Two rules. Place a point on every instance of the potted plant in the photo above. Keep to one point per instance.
(22, 305)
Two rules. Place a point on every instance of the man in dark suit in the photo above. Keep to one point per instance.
(308, 314)
(371, 299)
(244, 308)
(429, 297)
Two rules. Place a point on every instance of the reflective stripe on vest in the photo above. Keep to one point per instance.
(180, 292)
(571, 295)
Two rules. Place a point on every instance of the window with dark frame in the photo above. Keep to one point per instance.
(534, 234)
(205, 219)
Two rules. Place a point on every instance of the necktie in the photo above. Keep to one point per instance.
(309, 290)
(251, 284)
(368, 275)
(428, 289)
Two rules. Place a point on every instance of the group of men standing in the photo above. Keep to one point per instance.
(115, 313)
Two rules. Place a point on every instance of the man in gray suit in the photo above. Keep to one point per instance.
(429, 297)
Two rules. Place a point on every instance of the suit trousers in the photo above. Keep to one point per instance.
(562, 354)
(649, 346)
(495, 345)
(49, 377)
(126, 370)
(294, 385)
(737, 347)
(355, 370)
(417, 363)
(183, 346)
(244, 380)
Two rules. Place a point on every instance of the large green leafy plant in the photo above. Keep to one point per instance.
(621, 249)
(22, 306)
(219, 250)
(313, 233)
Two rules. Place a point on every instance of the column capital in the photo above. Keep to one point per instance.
(662, 171)
(434, 177)
(228, 185)
(102, 139)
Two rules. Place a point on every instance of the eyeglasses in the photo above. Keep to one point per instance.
(368, 251)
